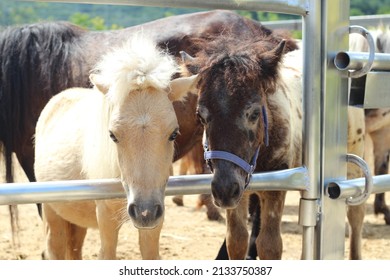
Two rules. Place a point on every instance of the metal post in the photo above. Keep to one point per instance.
(308, 208)
(331, 225)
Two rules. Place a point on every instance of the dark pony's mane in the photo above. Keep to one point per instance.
(29, 54)
(243, 62)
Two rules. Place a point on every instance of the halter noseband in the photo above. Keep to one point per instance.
(247, 167)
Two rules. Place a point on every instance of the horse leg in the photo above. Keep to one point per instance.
(381, 168)
(212, 210)
(222, 253)
(360, 144)
(149, 242)
(178, 200)
(254, 212)
(269, 242)
(377, 152)
(183, 169)
(57, 234)
(377, 167)
(77, 236)
(355, 216)
(237, 231)
(381, 207)
(108, 228)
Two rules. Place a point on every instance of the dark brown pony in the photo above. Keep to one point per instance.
(251, 112)
(250, 104)
(39, 60)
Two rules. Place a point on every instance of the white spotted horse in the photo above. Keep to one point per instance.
(377, 121)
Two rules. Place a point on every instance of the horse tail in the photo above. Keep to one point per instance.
(14, 220)
(34, 64)
(13, 209)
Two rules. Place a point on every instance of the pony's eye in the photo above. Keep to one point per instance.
(254, 116)
(113, 137)
(201, 119)
(174, 134)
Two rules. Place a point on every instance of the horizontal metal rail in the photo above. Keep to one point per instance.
(352, 188)
(366, 21)
(295, 179)
(296, 7)
(356, 60)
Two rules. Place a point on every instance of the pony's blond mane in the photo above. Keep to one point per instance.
(137, 65)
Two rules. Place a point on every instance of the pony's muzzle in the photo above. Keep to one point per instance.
(227, 185)
(226, 196)
(146, 215)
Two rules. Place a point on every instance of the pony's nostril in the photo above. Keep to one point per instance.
(158, 211)
(132, 210)
(213, 191)
(236, 190)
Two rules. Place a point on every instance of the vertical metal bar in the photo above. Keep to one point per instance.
(312, 125)
(331, 225)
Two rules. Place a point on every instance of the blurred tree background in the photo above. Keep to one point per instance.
(101, 17)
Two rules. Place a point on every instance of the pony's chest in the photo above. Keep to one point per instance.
(79, 213)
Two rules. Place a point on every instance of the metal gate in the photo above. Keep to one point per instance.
(325, 33)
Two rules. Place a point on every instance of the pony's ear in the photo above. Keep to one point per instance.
(181, 86)
(189, 64)
(269, 61)
(185, 57)
(97, 81)
(383, 42)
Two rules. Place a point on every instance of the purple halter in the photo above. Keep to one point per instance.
(247, 167)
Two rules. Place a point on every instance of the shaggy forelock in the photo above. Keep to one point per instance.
(138, 65)
(239, 62)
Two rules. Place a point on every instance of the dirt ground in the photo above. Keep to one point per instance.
(187, 234)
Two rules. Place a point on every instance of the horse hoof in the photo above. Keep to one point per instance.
(385, 211)
(44, 255)
(178, 200)
(214, 216)
(387, 217)
(212, 211)
(378, 209)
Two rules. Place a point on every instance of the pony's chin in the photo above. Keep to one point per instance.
(230, 203)
(146, 226)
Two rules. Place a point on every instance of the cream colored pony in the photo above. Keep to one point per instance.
(123, 128)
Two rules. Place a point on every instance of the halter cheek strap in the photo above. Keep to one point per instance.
(247, 167)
